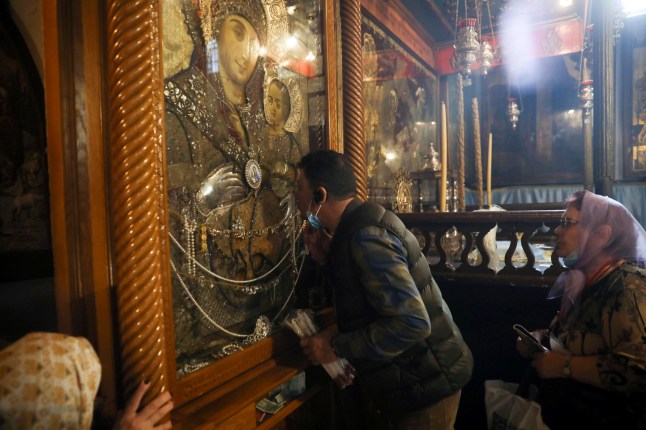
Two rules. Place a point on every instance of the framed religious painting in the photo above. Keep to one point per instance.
(25, 239)
(400, 117)
(238, 92)
(545, 146)
(634, 45)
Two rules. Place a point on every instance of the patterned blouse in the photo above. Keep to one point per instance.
(609, 321)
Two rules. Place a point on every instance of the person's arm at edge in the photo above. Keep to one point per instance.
(148, 417)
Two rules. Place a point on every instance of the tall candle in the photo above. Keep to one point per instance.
(489, 202)
(444, 161)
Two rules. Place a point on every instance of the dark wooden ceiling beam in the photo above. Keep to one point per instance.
(394, 16)
(413, 21)
(442, 17)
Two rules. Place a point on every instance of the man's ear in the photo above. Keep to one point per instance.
(320, 195)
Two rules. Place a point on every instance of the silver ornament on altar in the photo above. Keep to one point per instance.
(431, 159)
(586, 96)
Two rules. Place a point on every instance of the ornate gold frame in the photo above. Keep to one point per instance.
(139, 207)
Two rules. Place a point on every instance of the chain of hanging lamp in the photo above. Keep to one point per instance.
(486, 50)
(467, 39)
(471, 47)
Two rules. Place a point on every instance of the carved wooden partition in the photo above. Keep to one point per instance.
(518, 227)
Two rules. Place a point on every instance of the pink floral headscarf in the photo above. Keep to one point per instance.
(627, 241)
(48, 381)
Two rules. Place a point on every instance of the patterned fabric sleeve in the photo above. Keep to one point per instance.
(381, 263)
(623, 321)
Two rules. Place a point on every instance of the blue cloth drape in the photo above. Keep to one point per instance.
(631, 195)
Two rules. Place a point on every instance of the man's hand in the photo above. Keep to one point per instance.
(318, 348)
(149, 416)
(317, 242)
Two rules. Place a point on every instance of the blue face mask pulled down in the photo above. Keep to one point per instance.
(313, 219)
(571, 259)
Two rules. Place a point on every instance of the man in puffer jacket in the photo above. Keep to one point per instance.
(393, 325)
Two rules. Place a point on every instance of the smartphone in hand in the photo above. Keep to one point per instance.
(529, 340)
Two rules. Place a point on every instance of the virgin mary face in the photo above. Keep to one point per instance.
(238, 49)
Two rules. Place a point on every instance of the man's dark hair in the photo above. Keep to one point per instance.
(330, 170)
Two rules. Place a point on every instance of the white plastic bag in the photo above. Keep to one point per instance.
(509, 411)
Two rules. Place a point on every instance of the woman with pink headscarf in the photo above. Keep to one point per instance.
(594, 374)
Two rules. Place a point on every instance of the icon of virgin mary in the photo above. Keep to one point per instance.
(232, 237)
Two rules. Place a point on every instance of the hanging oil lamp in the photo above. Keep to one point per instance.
(467, 46)
(486, 50)
(513, 111)
(486, 56)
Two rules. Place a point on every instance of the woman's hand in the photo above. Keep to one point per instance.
(549, 365)
(582, 368)
(523, 349)
(149, 416)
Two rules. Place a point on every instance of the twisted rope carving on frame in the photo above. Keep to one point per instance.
(135, 109)
(354, 133)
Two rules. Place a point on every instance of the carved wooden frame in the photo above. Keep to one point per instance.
(139, 207)
(405, 53)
